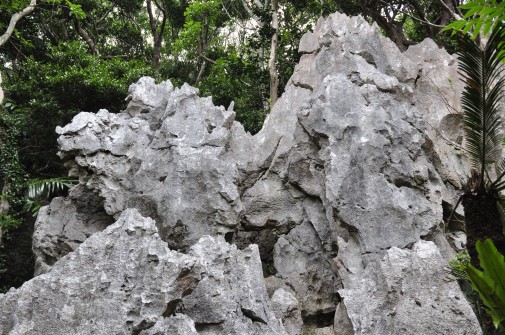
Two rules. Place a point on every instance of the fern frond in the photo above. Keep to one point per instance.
(481, 70)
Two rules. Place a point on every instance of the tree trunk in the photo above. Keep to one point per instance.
(1, 91)
(4, 206)
(482, 219)
(156, 53)
(200, 73)
(274, 76)
(85, 36)
(157, 31)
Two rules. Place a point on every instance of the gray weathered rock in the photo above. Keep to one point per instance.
(366, 133)
(408, 285)
(177, 324)
(286, 308)
(125, 279)
(166, 156)
(344, 191)
(63, 225)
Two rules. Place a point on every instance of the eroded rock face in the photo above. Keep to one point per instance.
(362, 132)
(343, 191)
(125, 280)
(65, 224)
(166, 156)
(407, 285)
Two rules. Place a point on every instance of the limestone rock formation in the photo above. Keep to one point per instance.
(343, 191)
(65, 224)
(405, 285)
(125, 280)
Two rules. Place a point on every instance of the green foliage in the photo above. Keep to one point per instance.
(12, 6)
(44, 189)
(202, 19)
(75, 10)
(12, 128)
(235, 78)
(9, 222)
(77, 76)
(459, 264)
(490, 283)
(480, 15)
(49, 93)
(12, 173)
(482, 71)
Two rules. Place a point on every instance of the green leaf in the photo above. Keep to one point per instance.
(76, 10)
(472, 11)
(490, 283)
(481, 116)
(467, 28)
(492, 262)
(477, 28)
(487, 27)
(44, 188)
(470, 4)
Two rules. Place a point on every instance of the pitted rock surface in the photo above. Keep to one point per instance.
(67, 222)
(344, 191)
(406, 285)
(125, 280)
(166, 156)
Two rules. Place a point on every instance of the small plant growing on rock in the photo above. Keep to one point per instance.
(490, 283)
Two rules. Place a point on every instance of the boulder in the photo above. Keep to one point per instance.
(286, 308)
(125, 280)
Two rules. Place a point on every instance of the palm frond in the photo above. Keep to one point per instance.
(39, 189)
(499, 183)
(481, 69)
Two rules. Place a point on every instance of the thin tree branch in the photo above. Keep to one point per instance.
(160, 7)
(152, 21)
(233, 19)
(14, 20)
(85, 36)
(106, 14)
(456, 7)
(424, 21)
(450, 11)
(249, 11)
(272, 65)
